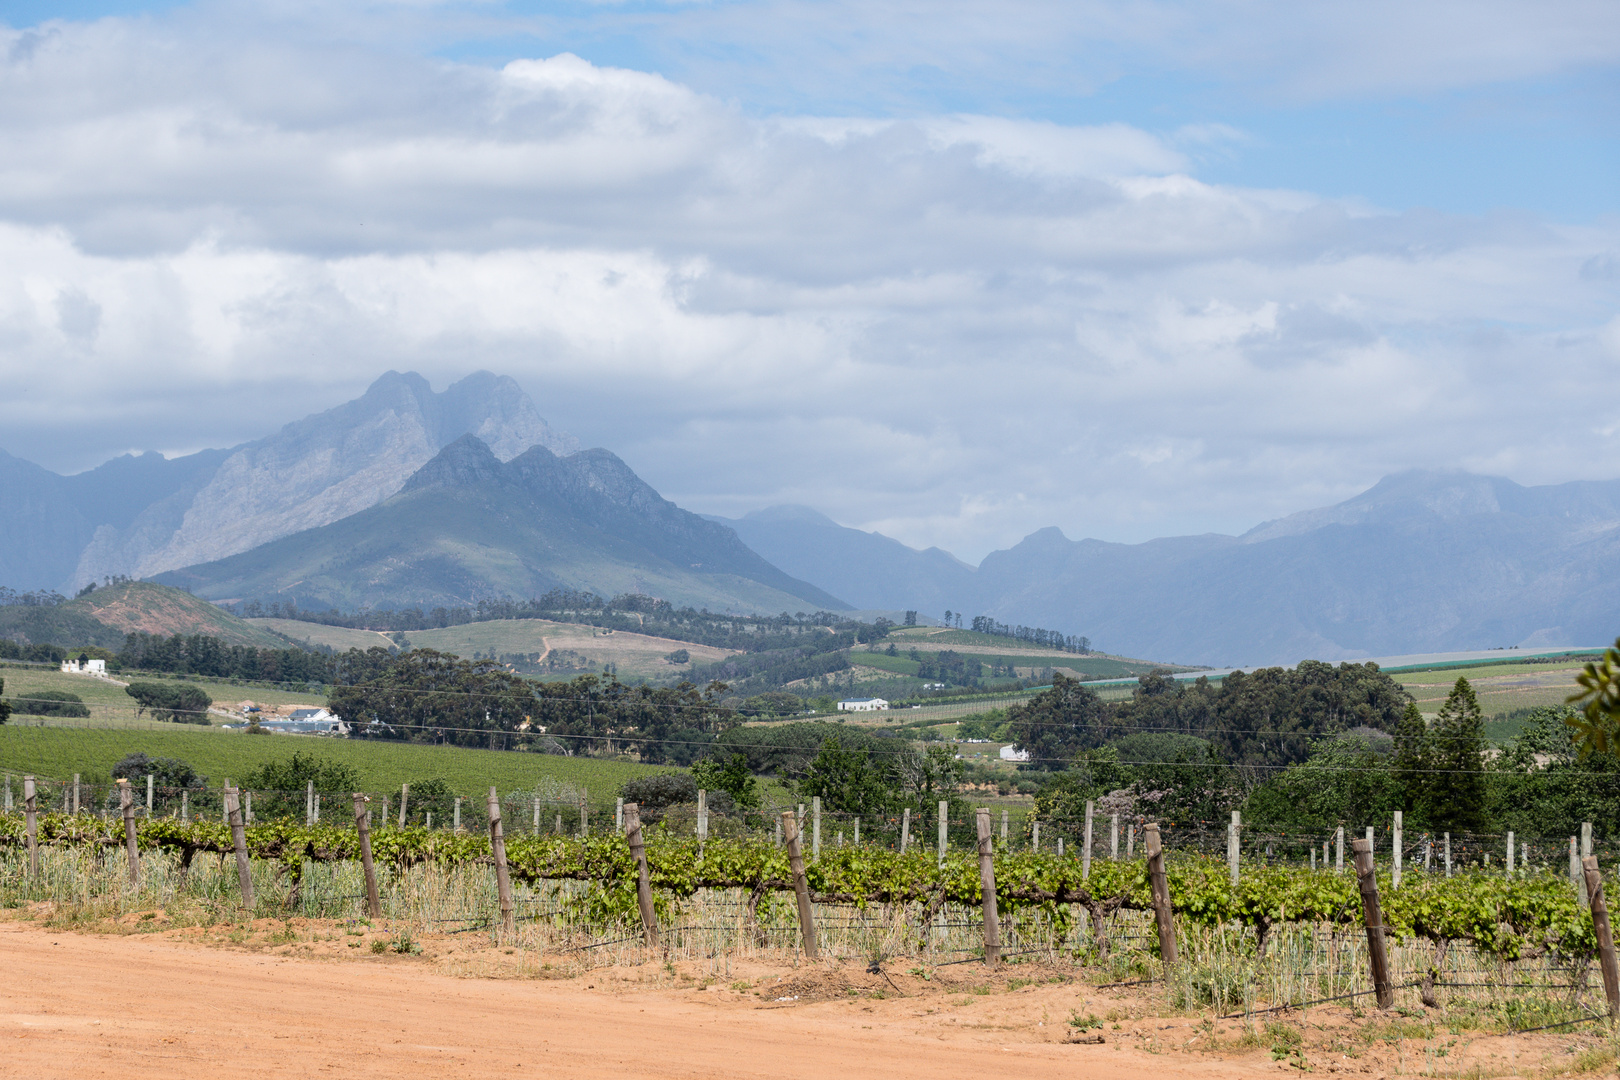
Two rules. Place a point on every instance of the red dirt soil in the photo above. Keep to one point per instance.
(189, 1003)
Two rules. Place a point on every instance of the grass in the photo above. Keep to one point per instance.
(61, 752)
(111, 706)
(340, 638)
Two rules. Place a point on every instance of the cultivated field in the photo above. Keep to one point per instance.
(1501, 689)
(340, 638)
(636, 655)
(60, 752)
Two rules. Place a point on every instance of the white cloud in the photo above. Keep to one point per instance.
(958, 327)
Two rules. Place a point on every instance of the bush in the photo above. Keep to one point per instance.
(656, 794)
(167, 773)
(50, 703)
(182, 703)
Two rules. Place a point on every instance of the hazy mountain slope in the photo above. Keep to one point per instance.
(105, 616)
(1422, 562)
(466, 526)
(137, 515)
(870, 570)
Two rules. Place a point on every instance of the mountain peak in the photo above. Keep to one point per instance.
(463, 463)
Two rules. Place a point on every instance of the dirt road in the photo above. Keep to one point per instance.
(74, 1004)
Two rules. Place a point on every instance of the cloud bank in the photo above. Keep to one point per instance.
(952, 327)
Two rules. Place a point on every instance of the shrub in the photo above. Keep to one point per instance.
(656, 794)
(50, 703)
(182, 703)
(168, 772)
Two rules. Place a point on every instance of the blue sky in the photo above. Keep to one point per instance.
(1218, 261)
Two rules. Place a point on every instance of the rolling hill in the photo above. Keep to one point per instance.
(467, 526)
(102, 618)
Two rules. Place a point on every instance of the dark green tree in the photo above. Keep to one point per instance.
(5, 706)
(183, 703)
(1413, 751)
(731, 776)
(168, 774)
(849, 782)
(1455, 796)
(1344, 782)
(1056, 724)
(279, 787)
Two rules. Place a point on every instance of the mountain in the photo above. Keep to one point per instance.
(884, 573)
(103, 617)
(1421, 562)
(140, 515)
(467, 526)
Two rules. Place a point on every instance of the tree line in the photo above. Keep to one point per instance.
(1033, 635)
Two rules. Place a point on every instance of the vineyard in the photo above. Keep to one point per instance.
(1519, 948)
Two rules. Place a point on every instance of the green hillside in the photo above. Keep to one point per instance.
(103, 617)
(59, 752)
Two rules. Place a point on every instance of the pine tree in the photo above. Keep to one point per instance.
(1454, 797)
(1414, 751)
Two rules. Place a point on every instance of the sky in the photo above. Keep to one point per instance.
(952, 272)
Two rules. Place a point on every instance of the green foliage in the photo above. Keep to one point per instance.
(851, 782)
(426, 694)
(5, 706)
(431, 796)
(280, 786)
(1454, 796)
(654, 795)
(1343, 782)
(730, 776)
(1414, 751)
(51, 703)
(990, 725)
(1057, 724)
(1597, 728)
(183, 703)
(168, 774)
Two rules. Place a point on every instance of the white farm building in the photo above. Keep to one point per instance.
(864, 704)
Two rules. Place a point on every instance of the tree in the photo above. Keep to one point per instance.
(1343, 782)
(1597, 728)
(51, 703)
(168, 774)
(5, 706)
(654, 795)
(849, 782)
(280, 786)
(1413, 750)
(183, 703)
(1454, 797)
(431, 696)
(731, 776)
(1057, 724)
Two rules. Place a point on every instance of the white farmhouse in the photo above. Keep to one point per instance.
(84, 665)
(1012, 753)
(865, 704)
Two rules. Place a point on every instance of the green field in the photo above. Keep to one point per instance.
(58, 753)
(340, 638)
(111, 707)
(1501, 688)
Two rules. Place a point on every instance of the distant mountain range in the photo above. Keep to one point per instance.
(139, 516)
(467, 526)
(1421, 562)
(406, 497)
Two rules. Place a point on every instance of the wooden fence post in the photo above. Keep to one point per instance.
(503, 877)
(1367, 880)
(247, 802)
(1004, 828)
(944, 811)
(537, 815)
(1161, 895)
(149, 779)
(456, 825)
(987, 890)
(1605, 936)
(404, 797)
(126, 803)
(76, 794)
(31, 824)
(815, 826)
(584, 817)
(703, 816)
(1085, 853)
(905, 829)
(185, 811)
(1035, 836)
(801, 886)
(1448, 854)
(638, 852)
(309, 803)
(244, 870)
(1232, 847)
(1395, 853)
(1510, 855)
(362, 825)
(1338, 850)
(1577, 877)
(618, 814)
(1113, 838)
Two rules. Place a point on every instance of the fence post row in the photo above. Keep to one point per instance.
(31, 824)
(362, 826)
(244, 870)
(1374, 917)
(638, 852)
(1605, 935)
(801, 885)
(503, 879)
(987, 889)
(1161, 895)
(126, 803)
